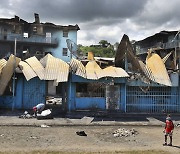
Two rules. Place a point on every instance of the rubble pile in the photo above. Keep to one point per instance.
(122, 132)
(26, 115)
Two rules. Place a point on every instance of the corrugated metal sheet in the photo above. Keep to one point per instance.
(125, 49)
(94, 72)
(115, 72)
(146, 70)
(27, 70)
(7, 72)
(36, 66)
(51, 67)
(78, 68)
(3, 62)
(158, 69)
(92, 69)
(63, 71)
(55, 69)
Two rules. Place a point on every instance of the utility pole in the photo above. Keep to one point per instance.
(14, 75)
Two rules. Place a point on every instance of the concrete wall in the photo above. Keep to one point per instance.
(58, 52)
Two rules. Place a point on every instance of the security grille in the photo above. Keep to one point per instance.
(152, 100)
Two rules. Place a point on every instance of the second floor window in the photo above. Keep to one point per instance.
(64, 51)
(65, 33)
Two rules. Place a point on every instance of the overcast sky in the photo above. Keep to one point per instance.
(100, 19)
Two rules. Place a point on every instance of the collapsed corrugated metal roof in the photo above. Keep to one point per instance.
(125, 49)
(115, 72)
(94, 72)
(77, 67)
(27, 70)
(153, 70)
(7, 72)
(158, 69)
(3, 62)
(55, 69)
(36, 66)
(51, 67)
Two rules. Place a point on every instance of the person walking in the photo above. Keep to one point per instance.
(168, 130)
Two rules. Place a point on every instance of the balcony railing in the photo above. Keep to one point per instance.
(32, 39)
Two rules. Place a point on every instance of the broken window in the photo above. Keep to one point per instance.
(54, 93)
(90, 90)
(64, 51)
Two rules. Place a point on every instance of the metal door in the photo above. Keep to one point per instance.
(34, 93)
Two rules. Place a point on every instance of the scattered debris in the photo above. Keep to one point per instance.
(87, 120)
(178, 125)
(46, 114)
(122, 132)
(45, 126)
(81, 133)
(33, 137)
(26, 115)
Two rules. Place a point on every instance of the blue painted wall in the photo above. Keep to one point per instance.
(58, 51)
(76, 103)
(6, 101)
(90, 103)
(34, 92)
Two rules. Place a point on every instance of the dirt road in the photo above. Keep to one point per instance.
(98, 139)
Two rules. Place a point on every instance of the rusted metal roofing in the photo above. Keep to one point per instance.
(55, 69)
(125, 50)
(27, 70)
(156, 66)
(3, 62)
(7, 72)
(36, 66)
(77, 67)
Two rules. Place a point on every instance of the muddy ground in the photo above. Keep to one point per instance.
(98, 139)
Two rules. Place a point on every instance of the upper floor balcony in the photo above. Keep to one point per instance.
(168, 45)
(33, 39)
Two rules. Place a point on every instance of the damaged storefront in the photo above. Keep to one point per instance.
(153, 85)
(96, 88)
(35, 81)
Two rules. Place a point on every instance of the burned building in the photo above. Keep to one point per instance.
(31, 42)
(153, 66)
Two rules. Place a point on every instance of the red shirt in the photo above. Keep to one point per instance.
(169, 126)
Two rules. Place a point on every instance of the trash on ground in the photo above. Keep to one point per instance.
(46, 114)
(178, 125)
(122, 132)
(87, 120)
(26, 115)
(81, 133)
(45, 126)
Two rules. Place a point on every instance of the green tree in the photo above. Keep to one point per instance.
(104, 43)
